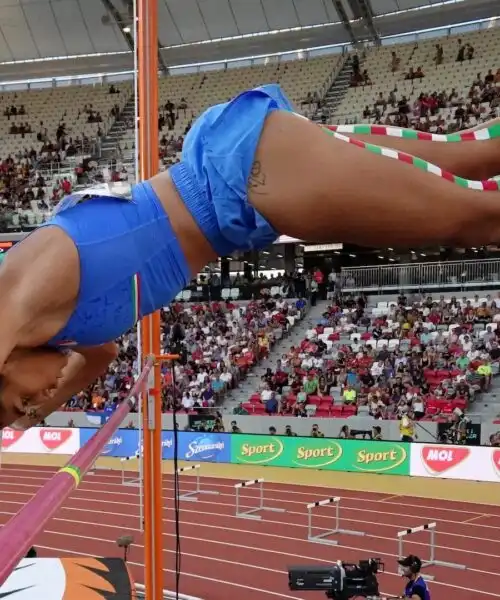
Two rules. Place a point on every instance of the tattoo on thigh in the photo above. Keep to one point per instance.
(257, 179)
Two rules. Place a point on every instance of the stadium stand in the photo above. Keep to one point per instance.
(184, 97)
(450, 81)
(430, 358)
(52, 114)
(56, 123)
(46, 134)
(223, 341)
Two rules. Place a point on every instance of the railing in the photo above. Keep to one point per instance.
(432, 275)
(213, 293)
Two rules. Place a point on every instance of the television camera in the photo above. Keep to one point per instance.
(340, 581)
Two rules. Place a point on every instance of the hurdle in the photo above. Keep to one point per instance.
(321, 538)
(134, 481)
(192, 495)
(250, 514)
(432, 561)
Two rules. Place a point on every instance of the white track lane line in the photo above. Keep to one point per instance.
(364, 549)
(413, 515)
(249, 532)
(309, 490)
(79, 495)
(257, 567)
(184, 574)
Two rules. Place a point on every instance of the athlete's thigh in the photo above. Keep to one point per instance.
(316, 187)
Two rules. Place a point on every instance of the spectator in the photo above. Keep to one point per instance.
(345, 433)
(490, 78)
(395, 62)
(349, 396)
(235, 428)
(407, 428)
(439, 56)
(495, 439)
(315, 432)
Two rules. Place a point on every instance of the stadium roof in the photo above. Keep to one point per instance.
(197, 30)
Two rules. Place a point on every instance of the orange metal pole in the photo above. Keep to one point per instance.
(157, 487)
(147, 63)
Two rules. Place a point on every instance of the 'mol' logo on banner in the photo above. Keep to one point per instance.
(496, 460)
(439, 459)
(53, 438)
(10, 437)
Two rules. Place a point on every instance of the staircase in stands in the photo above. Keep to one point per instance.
(337, 90)
(251, 384)
(110, 142)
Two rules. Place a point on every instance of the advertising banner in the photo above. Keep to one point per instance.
(41, 440)
(125, 442)
(199, 447)
(474, 463)
(167, 444)
(322, 453)
(205, 447)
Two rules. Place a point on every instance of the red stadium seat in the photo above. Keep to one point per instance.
(349, 410)
(460, 403)
(336, 411)
(322, 413)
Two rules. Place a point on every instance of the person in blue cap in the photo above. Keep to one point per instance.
(416, 587)
(251, 170)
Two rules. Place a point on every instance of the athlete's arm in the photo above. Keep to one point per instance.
(84, 367)
(39, 279)
(87, 365)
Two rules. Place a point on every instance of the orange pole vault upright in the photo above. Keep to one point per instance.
(146, 47)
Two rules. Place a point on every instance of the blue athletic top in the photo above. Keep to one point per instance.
(419, 588)
(131, 263)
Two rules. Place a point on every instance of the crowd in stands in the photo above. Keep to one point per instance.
(426, 358)
(220, 343)
(425, 112)
(416, 95)
(46, 133)
(292, 284)
(421, 357)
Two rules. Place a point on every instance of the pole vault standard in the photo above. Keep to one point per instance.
(16, 537)
(146, 49)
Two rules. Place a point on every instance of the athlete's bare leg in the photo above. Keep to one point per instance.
(472, 160)
(315, 187)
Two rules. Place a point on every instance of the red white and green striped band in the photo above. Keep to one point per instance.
(411, 134)
(488, 185)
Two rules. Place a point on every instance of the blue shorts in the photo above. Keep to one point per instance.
(131, 263)
(217, 157)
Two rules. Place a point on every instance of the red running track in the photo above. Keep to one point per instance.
(224, 555)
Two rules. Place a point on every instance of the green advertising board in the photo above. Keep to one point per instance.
(322, 453)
